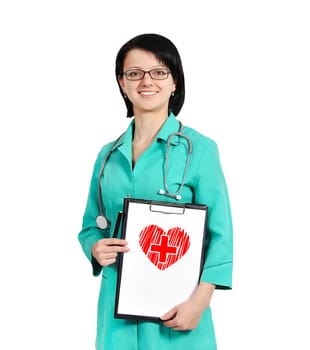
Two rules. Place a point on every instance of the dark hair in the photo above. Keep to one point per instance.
(167, 53)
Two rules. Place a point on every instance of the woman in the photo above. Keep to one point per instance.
(150, 77)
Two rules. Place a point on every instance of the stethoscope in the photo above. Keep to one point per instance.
(101, 220)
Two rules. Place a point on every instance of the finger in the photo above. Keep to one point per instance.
(176, 325)
(107, 259)
(172, 325)
(107, 262)
(180, 329)
(107, 256)
(114, 249)
(115, 241)
(106, 243)
(169, 315)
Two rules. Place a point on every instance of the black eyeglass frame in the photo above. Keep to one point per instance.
(149, 73)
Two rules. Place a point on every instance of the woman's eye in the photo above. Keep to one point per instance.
(159, 72)
(133, 74)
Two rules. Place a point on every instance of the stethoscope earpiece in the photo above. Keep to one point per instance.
(171, 195)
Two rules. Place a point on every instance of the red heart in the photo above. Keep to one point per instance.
(163, 248)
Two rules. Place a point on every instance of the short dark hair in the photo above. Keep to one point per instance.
(167, 53)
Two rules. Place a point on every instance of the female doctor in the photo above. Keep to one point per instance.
(150, 77)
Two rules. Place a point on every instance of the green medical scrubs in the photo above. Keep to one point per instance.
(204, 184)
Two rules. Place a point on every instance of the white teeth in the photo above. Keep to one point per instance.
(148, 93)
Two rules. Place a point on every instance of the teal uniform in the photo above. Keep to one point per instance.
(204, 184)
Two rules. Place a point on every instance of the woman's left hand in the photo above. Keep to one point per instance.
(186, 316)
(183, 317)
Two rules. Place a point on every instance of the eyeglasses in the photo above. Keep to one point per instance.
(138, 74)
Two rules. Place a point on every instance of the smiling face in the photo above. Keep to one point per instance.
(147, 95)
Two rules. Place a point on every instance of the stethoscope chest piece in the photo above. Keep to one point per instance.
(101, 222)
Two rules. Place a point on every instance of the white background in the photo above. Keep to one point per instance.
(247, 79)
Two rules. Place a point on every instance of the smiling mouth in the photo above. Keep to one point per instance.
(147, 93)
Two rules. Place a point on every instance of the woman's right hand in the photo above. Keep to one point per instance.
(106, 249)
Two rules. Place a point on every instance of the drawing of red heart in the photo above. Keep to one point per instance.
(162, 248)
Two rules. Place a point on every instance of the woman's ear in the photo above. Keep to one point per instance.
(122, 85)
(174, 86)
(121, 82)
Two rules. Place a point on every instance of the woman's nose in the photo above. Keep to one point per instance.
(147, 78)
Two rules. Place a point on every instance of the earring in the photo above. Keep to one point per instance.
(125, 96)
(172, 93)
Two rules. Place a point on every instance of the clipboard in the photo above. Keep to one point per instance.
(163, 266)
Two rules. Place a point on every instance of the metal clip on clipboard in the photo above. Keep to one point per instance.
(167, 209)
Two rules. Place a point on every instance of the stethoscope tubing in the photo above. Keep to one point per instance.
(166, 192)
(101, 219)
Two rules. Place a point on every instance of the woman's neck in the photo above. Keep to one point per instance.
(145, 131)
(147, 126)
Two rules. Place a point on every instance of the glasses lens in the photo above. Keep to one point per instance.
(159, 73)
(138, 74)
(134, 74)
